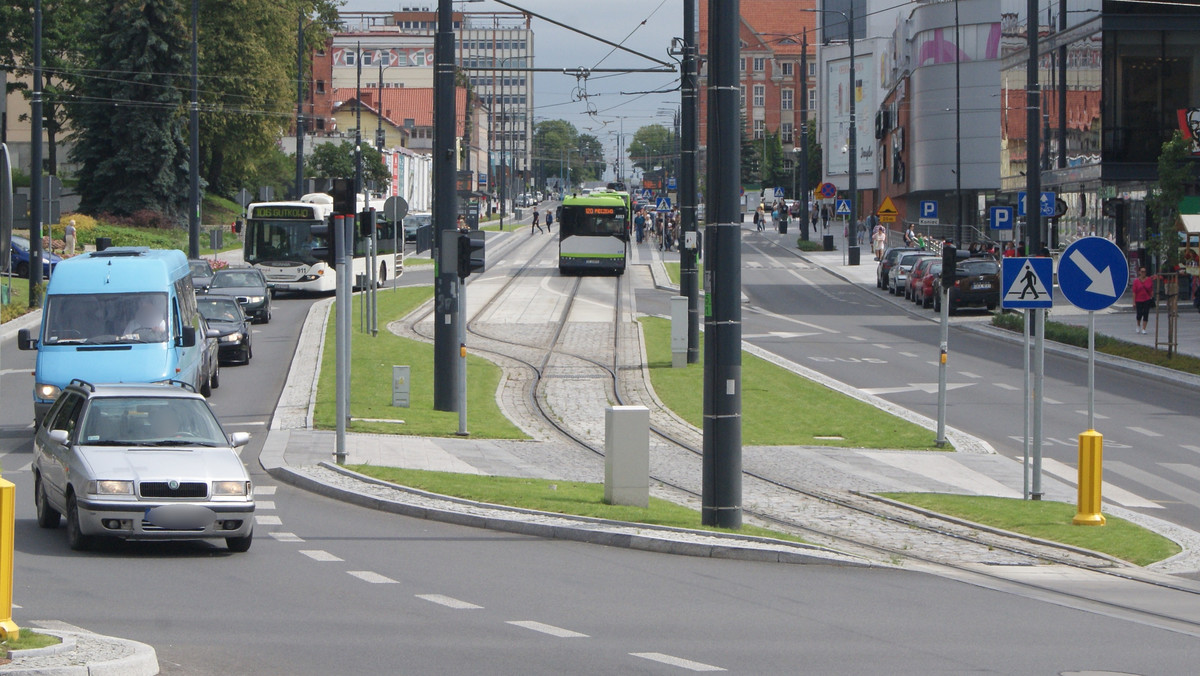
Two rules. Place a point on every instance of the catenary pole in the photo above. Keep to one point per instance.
(35, 165)
(299, 105)
(722, 454)
(194, 124)
(689, 278)
(446, 283)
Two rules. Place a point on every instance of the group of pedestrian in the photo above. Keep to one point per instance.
(537, 221)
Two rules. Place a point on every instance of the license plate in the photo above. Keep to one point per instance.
(980, 286)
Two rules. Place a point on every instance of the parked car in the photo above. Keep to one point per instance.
(976, 283)
(20, 258)
(886, 263)
(414, 221)
(210, 360)
(228, 325)
(250, 289)
(916, 276)
(140, 462)
(923, 292)
(201, 272)
(898, 274)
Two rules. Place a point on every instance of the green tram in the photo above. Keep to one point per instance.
(593, 233)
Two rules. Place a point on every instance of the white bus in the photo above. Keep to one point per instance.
(280, 242)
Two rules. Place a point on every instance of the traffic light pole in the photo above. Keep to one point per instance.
(446, 331)
(341, 331)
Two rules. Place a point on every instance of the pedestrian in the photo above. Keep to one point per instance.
(535, 223)
(910, 237)
(461, 224)
(639, 226)
(758, 213)
(549, 219)
(814, 215)
(825, 217)
(1010, 250)
(69, 237)
(1143, 299)
(879, 240)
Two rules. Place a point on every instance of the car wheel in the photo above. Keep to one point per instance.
(205, 388)
(47, 516)
(76, 540)
(239, 544)
(21, 270)
(249, 352)
(991, 307)
(951, 310)
(925, 303)
(267, 315)
(216, 378)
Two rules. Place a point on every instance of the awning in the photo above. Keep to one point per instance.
(1190, 223)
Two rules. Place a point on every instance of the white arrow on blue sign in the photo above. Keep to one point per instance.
(843, 208)
(1045, 204)
(1092, 273)
(1000, 218)
(1026, 283)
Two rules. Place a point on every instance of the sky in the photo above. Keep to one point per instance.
(614, 104)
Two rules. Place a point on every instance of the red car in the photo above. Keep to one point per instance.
(915, 277)
(922, 292)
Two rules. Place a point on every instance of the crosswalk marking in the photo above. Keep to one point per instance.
(372, 577)
(1048, 400)
(319, 555)
(547, 629)
(948, 471)
(1143, 430)
(1006, 386)
(284, 536)
(881, 346)
(1145, 478)
(968, 374)
(265, 490)
(448, 602)
(1108, 491)
(1193, 449)
(677, 662)
(264, 504)
(1097, 416)
(267, 520)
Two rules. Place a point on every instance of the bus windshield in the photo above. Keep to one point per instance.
(590, 220)
(281, 243)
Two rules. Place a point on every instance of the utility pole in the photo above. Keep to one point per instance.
(446, 334)
(299, 105)
(804, 187)
(722, 455)
(689, 279)
(194, 123)
(35, 168)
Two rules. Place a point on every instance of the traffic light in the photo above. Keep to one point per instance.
(949, 261)
(366, 222)
(344, 199)
(323, 242)
(470, 253)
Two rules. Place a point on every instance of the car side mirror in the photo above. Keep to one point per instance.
(59, 437)
(188, 337)
(212, 333)
(25, 342)
(239, 439)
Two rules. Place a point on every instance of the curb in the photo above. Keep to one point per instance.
(141, 660)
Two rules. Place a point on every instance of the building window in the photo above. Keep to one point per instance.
(743, 99)
(785, 99)
(760, 96)
(760, 129)
(785, 132)
(742, 65)
(760, 64)
(812, 99)
(350, 57)
(367, 58)
(320, 86)
(786, 68)
(812, 68)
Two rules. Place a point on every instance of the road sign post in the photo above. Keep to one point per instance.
(1029, 283)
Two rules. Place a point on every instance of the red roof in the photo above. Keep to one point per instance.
(405, 103)
(777, 23)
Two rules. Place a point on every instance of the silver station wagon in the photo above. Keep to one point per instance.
(140, 462)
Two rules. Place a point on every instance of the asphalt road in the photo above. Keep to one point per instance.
(332, 588)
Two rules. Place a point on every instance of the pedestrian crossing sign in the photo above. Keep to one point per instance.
(843, 207)
(1027, 283)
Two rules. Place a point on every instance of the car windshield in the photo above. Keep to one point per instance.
(200, 269)
(218, 309)
(979, 268)
(150, 421)
(106, 318)
(236, 278)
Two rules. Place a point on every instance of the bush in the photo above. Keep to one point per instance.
(142, 218)
(807, 245)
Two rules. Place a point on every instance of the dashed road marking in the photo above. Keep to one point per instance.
(1095, 415)
(677, 662)
(372, 577)
(1144, 431)
(881, 346)
(264, 504)
(1006, 386)
(449, 602)
(855, 338)
(910, 355)
(284, 536)
(320, 555)
(547, 629)
(1048, 400)
(1193, 449)
(267, 520)
(265, 490)
(968, 374)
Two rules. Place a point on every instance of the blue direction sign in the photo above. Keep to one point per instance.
(1001, 218)
(671, 183)
(664, 204)
(1027, 283)
(843, 208)
(1092, 273)
(1045, 205)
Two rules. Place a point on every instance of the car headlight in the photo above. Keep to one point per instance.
(240, 488)
(47, 391)
(254, 299)
(110, 487)
(231, 338)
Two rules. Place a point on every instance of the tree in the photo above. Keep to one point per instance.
(589, 162)
(1176, 172)
(653, 146)
(329, 160)
(815, 157)
(554, 143)
(751, 159)
(130, 135)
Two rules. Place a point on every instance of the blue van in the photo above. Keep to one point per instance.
(125, 314)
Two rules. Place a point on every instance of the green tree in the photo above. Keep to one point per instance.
(653, 146)
(329, 160)
(554, 144)
(1176, 172)
(751, 159)
(588, 164)
(814, 157)
(130, 134)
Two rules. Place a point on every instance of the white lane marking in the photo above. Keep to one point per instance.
(1096, 415)
(855, 338)
(1181, 493)
(968, 374)
(1048, 400)
(1144, 431)
(677, 662)
(793, 320)
(910, 355)
(265, 490)
(23, 468)
(881, 346)
(948, 471)
(1006, 386)
(449, 602)
(258, 423)
(284, 536)
(373, 578)
(264, 504)
(1193, 449)
(319, 555)
(267, 520)
(1070, 475)
(547, 629)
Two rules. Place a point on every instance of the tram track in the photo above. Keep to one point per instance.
(674, 445)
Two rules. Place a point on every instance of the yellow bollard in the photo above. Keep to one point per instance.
(1091, 454)
(8, 523)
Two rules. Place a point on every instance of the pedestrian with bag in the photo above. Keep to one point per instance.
(1143, 299)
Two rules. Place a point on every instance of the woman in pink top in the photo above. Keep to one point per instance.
(1143, 297)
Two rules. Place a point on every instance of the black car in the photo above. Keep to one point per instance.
(249, 287)
(976, 283)
(228, 324)
(201, 273)
(886, 263)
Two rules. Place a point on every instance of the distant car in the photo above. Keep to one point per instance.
(923, 292)
(898, 274)
(249, 287)
(140, 462)
(202, 273)
(414, 221)
(20, 258)
(916, 276)
(886, 263)
(228, 325)
(976, 283)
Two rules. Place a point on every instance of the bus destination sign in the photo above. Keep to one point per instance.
(600, 211)
(283, 211)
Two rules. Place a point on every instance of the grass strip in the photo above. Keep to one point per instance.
(779, 408)
(1049, 521)
(29, 640)
(575, 498)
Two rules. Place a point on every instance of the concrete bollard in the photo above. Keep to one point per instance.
(627, 456)
(679, 331)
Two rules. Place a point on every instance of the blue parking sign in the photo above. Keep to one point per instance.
(1001, 218)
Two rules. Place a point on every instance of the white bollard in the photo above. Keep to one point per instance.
(627, 456)
(679, 331)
